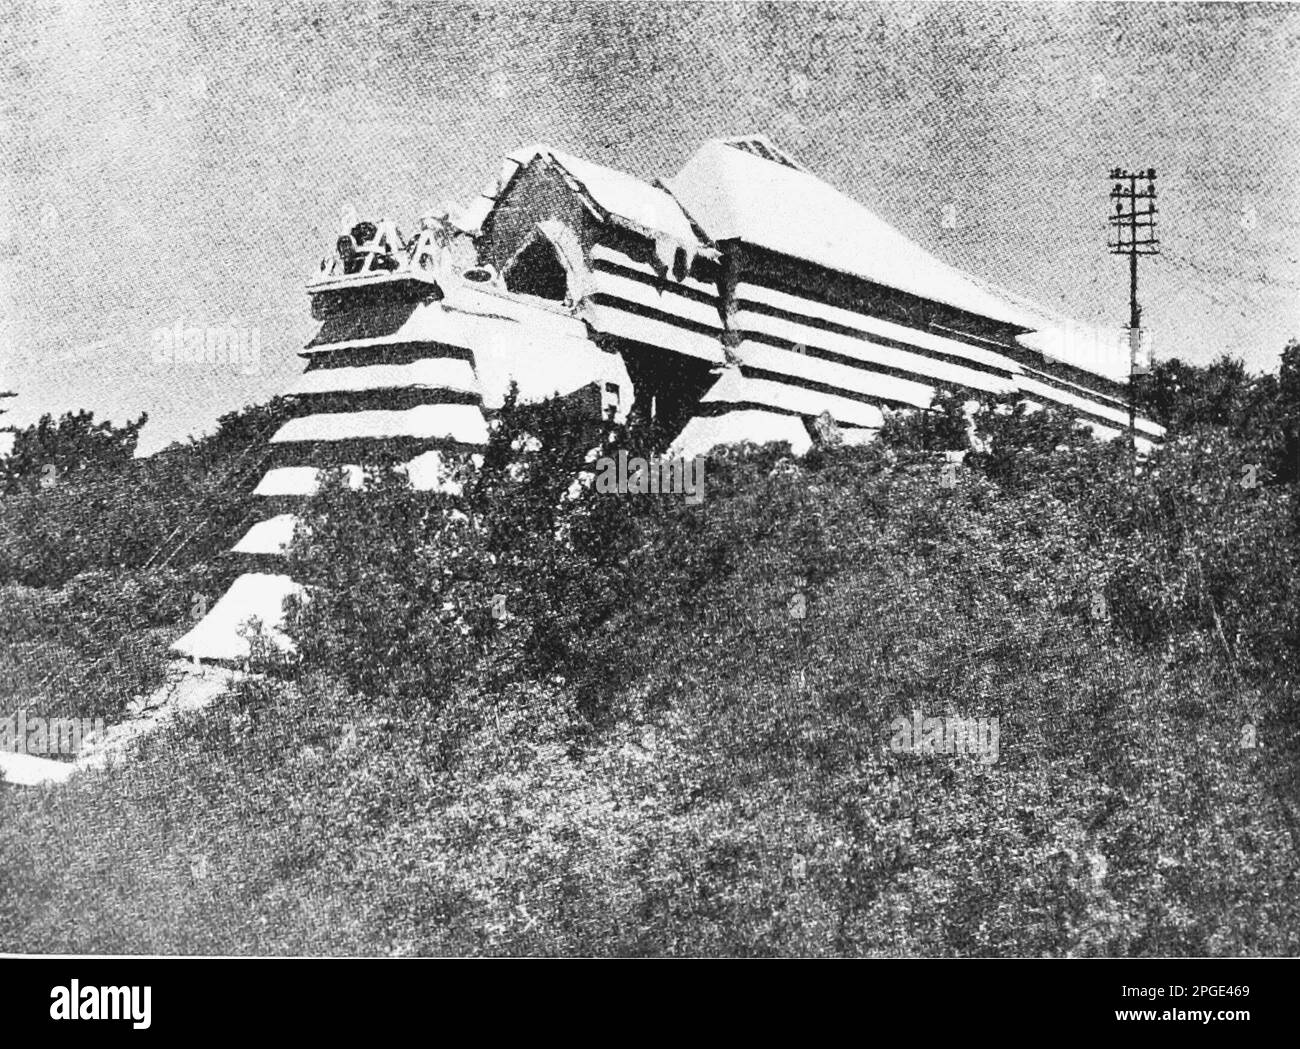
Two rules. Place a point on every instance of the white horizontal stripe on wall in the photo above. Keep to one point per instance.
(734, 388)
(665, 301)
(271, 536)
(457, 422)
(619, 258)
(1084, 400)
(1076, 388)
(437, 347)
(1033, 386)
(613, 321)
(874, 326)
(840, 376)
(870, 353)
(434, 373)
(300, 480)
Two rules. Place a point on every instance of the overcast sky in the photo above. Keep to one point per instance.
(169, 162)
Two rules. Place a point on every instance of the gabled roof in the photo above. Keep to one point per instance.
(645, 208)
(764, 147)
(734, 193)
(747, 188)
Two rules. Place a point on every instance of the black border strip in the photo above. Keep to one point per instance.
(604, 298)
(821, 387)
(656, 283)
(1079, 391)
(406, 352)
(861, 366)
(869, 337)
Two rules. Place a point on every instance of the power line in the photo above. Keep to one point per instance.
(1135, 234)
(1221, 272)
(1220, 293)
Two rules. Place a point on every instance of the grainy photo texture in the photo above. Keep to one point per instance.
(649, 479)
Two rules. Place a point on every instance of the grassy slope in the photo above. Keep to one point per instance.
(737, 797)
(86, 649)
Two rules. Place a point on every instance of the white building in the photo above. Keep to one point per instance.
(740, 299)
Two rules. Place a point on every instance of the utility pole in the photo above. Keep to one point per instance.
(1134, 224)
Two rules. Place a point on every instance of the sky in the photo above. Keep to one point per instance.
(190, 164)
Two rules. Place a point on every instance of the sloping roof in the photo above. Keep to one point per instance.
(629, 198)
(763, 147)
(646, 208)
(749, 189)
(735, 194)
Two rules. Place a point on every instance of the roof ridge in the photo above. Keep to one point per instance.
(796, 212)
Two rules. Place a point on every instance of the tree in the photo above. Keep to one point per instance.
(1288, 412)
(1183, 397)
(940, 428)
(47, 452)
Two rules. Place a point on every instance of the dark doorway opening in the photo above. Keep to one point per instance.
(668, 386)
(537, 270)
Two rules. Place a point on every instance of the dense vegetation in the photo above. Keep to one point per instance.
(540, 720)
(105, 558)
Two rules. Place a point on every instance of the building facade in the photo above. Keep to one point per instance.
(740, 300)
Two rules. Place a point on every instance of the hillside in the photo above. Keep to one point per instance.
(681, 737)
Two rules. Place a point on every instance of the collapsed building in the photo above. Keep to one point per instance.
(739, 300)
